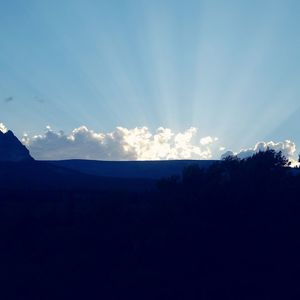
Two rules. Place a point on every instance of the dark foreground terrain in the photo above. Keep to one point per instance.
(228, 231)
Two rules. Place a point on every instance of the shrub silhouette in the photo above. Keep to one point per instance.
(264, 167)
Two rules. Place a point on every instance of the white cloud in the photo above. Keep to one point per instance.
(287, 147)
(207, 140)
(122, 144)
(227, 154)
(3, 128)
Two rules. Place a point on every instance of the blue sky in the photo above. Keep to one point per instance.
(229, 68)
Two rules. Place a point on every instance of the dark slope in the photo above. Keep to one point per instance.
(130, 169)
(11, 149)
(34, 175)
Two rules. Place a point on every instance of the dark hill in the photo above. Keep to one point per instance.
(131, 169)
(35, 175)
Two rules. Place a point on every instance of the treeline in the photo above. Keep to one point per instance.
(230, 231)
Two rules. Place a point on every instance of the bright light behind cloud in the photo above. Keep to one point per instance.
(121, 144)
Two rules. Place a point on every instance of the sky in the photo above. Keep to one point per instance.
(159, 79)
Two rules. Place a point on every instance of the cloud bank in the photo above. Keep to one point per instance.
(121, 144)
(138, 143)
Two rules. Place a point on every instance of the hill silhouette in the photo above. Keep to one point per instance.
(229, 230)
(131, 169)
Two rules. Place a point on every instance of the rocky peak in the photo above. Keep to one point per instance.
(11, 149)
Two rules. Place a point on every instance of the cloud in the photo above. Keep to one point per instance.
(207, 140)
(287, 147)
(3, 128)
(121, 144)
(227, 154)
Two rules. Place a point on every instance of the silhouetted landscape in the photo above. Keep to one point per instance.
(149, 149)
(224, 229)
